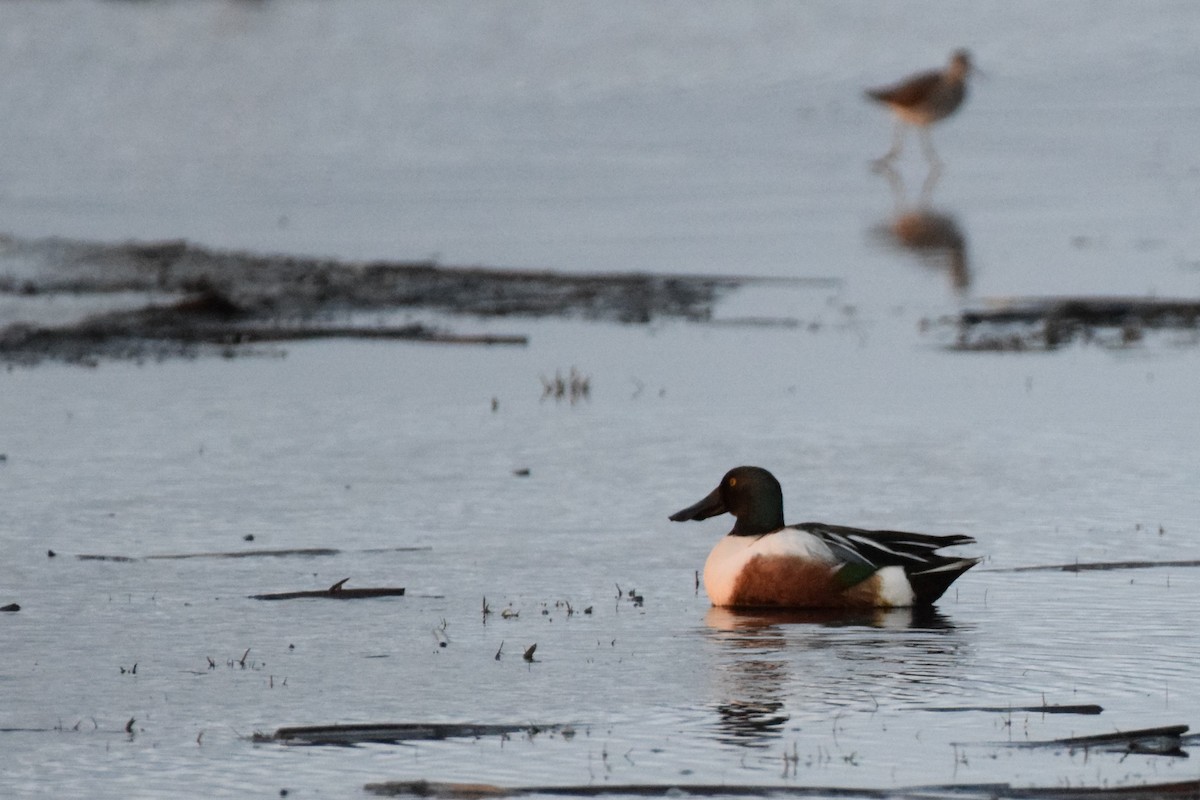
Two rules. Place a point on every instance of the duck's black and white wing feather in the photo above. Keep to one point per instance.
(929, 572)
(884, 548)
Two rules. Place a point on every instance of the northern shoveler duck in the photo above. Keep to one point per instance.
(923, 99)
(763, 563)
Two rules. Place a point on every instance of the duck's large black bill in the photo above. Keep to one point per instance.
(708, 507)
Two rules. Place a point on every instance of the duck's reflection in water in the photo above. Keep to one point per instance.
(754, 722)
(778, 670)
(934, 236)
(770, 621)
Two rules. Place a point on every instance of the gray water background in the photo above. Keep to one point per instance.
(693, 138)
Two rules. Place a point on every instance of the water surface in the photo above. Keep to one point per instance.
(697, 139)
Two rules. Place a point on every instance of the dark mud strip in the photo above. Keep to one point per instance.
(226, 301)
(30, 730)
(306, 552)
(1165, 741)
(1084, 709)
(92, 728)
(98, 557)
(1100, 566)
(758, 322)
(302, 551)
(309, 552)
(1041, 324)
(393, 733)
(467, 791)
(198, 324)
(333, 594)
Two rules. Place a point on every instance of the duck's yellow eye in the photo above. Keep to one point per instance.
(733, 481)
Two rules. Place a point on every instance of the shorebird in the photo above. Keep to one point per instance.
(764, 563)
(922, 99)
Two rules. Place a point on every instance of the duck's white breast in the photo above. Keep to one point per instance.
(890, 586)
(730, 554)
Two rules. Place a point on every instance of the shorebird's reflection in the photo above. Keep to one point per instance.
(934, 236)
(775, 665)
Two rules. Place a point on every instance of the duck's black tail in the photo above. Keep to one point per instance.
(931, 583)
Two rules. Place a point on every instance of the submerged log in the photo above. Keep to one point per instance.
(335, 592)
(1157, 741)
(393, 732)
(1101, 566)
(1087, 709)
(983, 791)
(1164, 741)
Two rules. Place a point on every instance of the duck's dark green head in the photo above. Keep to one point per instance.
(751, 494)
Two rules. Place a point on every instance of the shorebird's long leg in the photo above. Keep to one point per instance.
(896, 181)
(935, 172)
(885, 160)
(935, 163)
